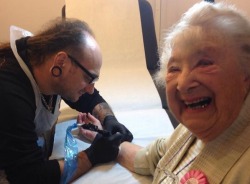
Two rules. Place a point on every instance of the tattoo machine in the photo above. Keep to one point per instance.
(92, 127)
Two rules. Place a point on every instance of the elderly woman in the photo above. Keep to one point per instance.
(205, 65)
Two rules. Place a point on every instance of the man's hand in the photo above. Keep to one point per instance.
(104, 149)
(111, 124)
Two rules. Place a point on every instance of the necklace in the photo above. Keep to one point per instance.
(47, 105)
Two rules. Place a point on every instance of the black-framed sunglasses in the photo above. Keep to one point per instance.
(93, 77)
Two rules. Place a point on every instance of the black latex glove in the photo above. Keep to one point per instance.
(104, 148)
(111, 124)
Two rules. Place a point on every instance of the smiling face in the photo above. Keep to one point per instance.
(205, 84)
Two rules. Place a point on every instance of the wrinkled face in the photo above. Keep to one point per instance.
(77, 81)
(205, 84)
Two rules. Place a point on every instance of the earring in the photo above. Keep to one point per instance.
(56, 71)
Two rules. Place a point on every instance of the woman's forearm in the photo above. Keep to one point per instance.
(127, 155)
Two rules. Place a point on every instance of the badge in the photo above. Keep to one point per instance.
(194, 177)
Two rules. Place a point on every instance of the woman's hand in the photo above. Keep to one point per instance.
(85, 118)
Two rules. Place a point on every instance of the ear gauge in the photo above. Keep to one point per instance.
(56, 71)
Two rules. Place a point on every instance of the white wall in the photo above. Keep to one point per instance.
(32, 14)
(124, 79)
(167, 12)
(28, 14)
(241, 4)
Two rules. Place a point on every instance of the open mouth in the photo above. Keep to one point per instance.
(199, 104)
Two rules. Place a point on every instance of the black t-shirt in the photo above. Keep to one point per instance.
(20, 156)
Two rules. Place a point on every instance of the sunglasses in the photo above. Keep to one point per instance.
(93, 77)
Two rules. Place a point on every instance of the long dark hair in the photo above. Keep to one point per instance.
(66, 34)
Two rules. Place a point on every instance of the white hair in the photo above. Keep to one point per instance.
(224, 19)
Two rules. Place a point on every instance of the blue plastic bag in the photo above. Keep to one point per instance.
(70, 155)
